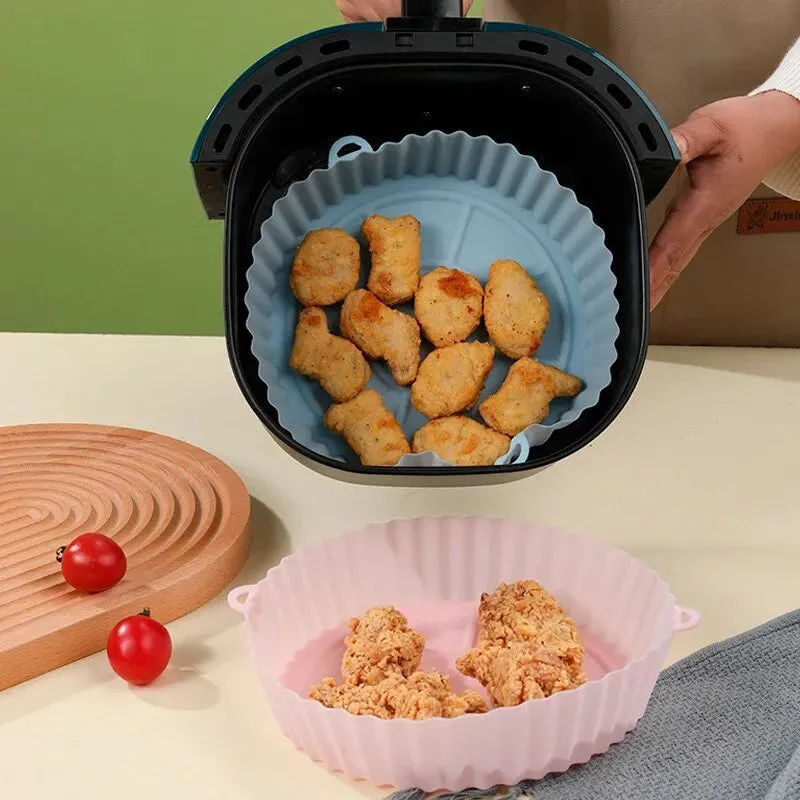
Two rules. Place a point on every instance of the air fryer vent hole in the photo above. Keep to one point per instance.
(247, 99)
(287, 66)
(647, 136)
(530, 46)
(619, 95)
(221, 138)
(580, 65)
(339, 46)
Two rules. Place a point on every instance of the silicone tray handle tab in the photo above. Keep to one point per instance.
(347, 148)
(684, 619)
(237, 598)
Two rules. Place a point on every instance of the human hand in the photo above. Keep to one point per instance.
(375, 10)
(728, 148)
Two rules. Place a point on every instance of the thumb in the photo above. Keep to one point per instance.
(700, 135)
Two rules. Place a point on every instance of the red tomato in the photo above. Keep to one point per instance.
(92, 562)
(139, 648)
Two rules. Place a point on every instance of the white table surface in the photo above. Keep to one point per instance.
(697, 477)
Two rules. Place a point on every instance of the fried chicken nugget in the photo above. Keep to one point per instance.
(448, 305)
(380, 644)
(516, 672)
(461, 441)
(451, 378)
(382, 332)
(515, 310)
(525, 395)
(528, 646)
(382, 678)
(395, 247)
(526, 612)
(326, 267)
(369, 428)
(335, 363)
(422, 695)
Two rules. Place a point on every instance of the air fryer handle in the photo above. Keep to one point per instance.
(433, 15)
(433, 9)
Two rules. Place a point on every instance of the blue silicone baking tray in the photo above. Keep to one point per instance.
(477, 201)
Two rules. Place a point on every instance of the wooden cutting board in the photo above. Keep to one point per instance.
(179, 513)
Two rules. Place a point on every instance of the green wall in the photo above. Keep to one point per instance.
(100, 101)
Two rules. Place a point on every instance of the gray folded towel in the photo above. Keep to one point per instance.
(722, 724)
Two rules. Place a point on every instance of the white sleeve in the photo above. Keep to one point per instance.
(785, 178)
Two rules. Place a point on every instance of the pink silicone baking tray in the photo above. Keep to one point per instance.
(434, 571)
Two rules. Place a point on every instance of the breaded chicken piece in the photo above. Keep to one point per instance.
(448, 306)
(528, 646)
(451, 378)
(395, 247)
(326, 267)
(525, 395)
(461, 441)
(526, 612)
(515, 310)
(381, 677)
(382, 332)
(369, 428)
(381, 644)
(517, 672)
(422, 695)
(335, 363)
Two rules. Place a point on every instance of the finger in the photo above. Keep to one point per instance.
(347, 11)
(381, 9)
(357, 12)
(690, 221)
(700, 135)
(659, 291)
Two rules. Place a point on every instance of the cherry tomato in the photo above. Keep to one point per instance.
(139, 648)
(92, 562)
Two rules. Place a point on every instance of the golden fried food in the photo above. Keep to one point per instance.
(326, 267)
(515, 310)
(335, 363)
(395, 248)
(448, 305)
(528, 646)
(517, 672)
(525, 395)
(369, 428)
(526, 612)
(422, 695)
(461, 441)
(382, 678)
(382, 332)
(381, 644)
(451, 378)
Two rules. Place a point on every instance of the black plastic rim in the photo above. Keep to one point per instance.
(261, 87)
(650, 158)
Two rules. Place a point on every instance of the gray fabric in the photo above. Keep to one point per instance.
(723, 724)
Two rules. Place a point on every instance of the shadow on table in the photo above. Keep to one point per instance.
(779, 363)
(189, 689)
(269, 544)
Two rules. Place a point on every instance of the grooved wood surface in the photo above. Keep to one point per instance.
(180, 514)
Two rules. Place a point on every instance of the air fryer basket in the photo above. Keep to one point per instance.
(551, 97)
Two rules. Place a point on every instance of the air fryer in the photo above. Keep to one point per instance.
(550, 96)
